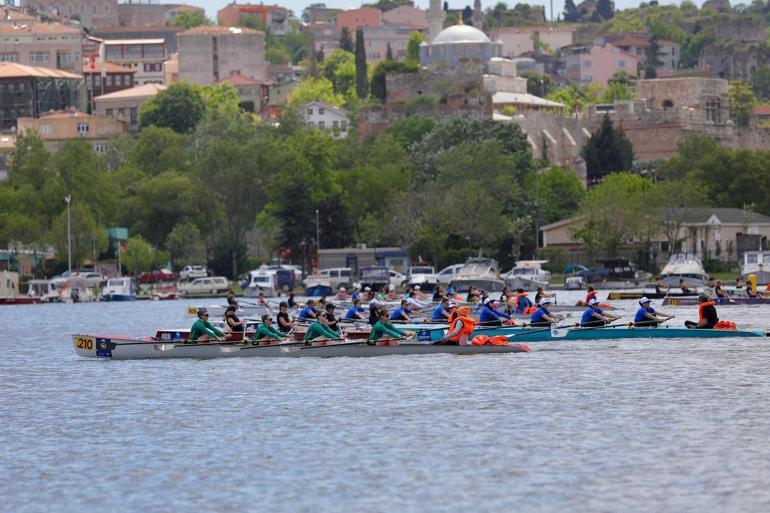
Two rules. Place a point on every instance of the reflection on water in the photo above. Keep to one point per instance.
(615, 426)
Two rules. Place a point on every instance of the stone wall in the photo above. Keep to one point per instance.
(746, 29)
(373, 120)
(439, 83)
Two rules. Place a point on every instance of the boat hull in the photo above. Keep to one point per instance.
(521, 282)
(487, 284)
(722, 301)
(19, 300)
(125, 348)
(118, 297)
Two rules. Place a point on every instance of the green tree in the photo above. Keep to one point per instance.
(190, 19)
(760, 83)
(346, 41)
(409, 130)
(617, 91)
(570, 11)
(277, 55)
(180, 108)
(538, 84)
(558, 192)
(340, 69)
(87, 239)
(29, 161)
(252, 21)
(141, 257)
(158, 150)
(604, 9)
(184, 244)
(608, 150)
(362, 77)
(310, 89)
(413, 46)
(615, 211)
(389, 53)
(742, 100)
(653, 59)
(622, 77)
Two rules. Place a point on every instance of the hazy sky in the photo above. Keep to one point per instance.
(212, 6)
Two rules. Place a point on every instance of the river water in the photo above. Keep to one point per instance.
(647, 426)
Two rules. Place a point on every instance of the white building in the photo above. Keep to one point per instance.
(325, 116)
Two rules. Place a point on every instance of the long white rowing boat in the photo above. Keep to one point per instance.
(128, 348)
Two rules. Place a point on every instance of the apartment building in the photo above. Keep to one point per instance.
(47, 45)
(144, 56)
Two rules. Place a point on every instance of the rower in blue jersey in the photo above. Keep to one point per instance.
(543, 316)
(356, 311)
(401, 313)
(309, 311)
(521, 301)
(646, 315)
(489, 316)
(595, 316)
(442, 311)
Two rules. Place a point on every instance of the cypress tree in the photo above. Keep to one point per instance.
(570, 11)
(608, 150)
(362, 79)
(389, 53)
(346, 42)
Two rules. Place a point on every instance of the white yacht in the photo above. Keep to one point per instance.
(527, 275)
(481, 273)
(754, 263)
(422, 275)
(687, 267)
(119, 289)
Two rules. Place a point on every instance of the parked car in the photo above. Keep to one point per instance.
(158, 276)
(338, 276)
(209, 286)
(190, 272)
(447, 274)
(397, 279)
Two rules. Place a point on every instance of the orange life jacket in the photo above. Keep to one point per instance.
(468, 325)
(590, 296)
(516, 298)
(726, 325)
(702, 306)
(452, 316)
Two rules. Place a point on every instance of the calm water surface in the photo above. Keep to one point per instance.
(652, 426)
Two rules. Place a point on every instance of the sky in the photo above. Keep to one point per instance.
(212, 6)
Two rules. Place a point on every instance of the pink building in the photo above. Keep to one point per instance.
(359, 18)
(519, 40)
(407, 16)
(598, 63)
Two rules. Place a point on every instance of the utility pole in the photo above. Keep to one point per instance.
(317, 231)
(67, 199)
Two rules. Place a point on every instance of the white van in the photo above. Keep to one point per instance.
(338, 276)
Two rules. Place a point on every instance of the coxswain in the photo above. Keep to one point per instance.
(285, 324)
(442, 311)
(202, 330)
(331, 321)
(543, 316)
(356, 312)
(595, 316)
(521, 301)
(461, 329)
(309, 312)
(490, 316)
(646, 315)
(707, 314)
(401, 313)
(266, 330)
(384, 328)
(232, 320)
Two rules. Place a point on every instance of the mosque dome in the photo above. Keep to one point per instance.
(460, 34)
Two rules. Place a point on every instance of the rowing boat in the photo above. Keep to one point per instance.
(129, 348)
(724, 301)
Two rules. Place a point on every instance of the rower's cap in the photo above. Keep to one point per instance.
(593, 302)
(545, 301)
(202, 311)
(416, 287)
(343, 289)
(645, 301)
(489, 301)
(704, 297)
(367, 289)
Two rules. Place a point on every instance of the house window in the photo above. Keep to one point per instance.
(335, 124)
(321, 124)
(39, 57)
(46, 129)
(310, 112)
(108, 112)
(344, 124)
(121, 112)
(83, 128)
(132, 115)
(622, 64)
(9, 57)
(587, 78)
(99, 148)
(321, 111)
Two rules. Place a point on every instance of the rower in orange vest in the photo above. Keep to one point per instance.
(707, 314)
(461, 330)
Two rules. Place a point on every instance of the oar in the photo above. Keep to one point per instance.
(563, 333)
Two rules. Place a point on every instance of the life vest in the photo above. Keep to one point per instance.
(468, 325)
(452, 316)
(530, 310)
(702, 306)
(590, 296)
(516, 298)
(726, 325)
(480, 340)
(483, 340)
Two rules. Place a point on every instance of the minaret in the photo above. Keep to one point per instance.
(477, 18)
(435, 17)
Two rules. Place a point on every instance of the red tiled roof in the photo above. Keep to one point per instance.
(761, 110)
(32, 28)
(16, 70)
(238, 79)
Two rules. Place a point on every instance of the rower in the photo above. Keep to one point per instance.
(718, 290)
(202, 330)
(461, 330)
(331, 321)
(647, 316)
(418, 294)
(391, 295)
(543, 316)
(266, 330)
(414, 302)
(231, 301)
(473, 295)
(595, 316)
(309, 312)
(342, 294)
(442, 311)
(232, 320)
(685, 288)
(590, 294)
(438, 294)
(261, 299)
(383, 328)
(374, 307)
(490, 316)
(291, 301)
(356, 311)
(319, 330)
(521, 301)
(401, 313)
(707, 314)
(541, 295)
(285, 323)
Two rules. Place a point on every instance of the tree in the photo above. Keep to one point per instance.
(604, 9)
(158, 150)
(180, 108)
(141, 257)
(674, 200)
(184, 243)
(653, 59)
(87, 238)
(558, 192)
(467, 15)
(190, 19)
(742, 100)
(760, 83)
(413, 46)
(362, 78)
(277, 55)
(252, 21)
(311, 89)
(617, 91)
(340, 69)
(608, 150)
(570, 11)
(538, 84)
(615, 211)
(409, 130)
(346, 41)
(622, 77)
(389, 53)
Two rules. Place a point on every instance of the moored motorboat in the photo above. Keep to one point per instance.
(527, 275)
(480, 273)
(686, 267)
(758, 264)
(126, 348)
(119, 289)
(615, 273)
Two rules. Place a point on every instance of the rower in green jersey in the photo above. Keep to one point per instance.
(202, 330)
(383, 328)
(266, 330)
(320, 330)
